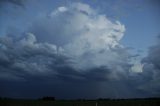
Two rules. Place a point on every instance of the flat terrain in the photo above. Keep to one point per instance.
(130, 102)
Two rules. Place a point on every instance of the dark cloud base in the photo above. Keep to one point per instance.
(25, 75)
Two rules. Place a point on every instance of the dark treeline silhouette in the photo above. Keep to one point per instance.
(6, 98)
(50, 101)
(51, 98)
(119, 99)
(47, 98)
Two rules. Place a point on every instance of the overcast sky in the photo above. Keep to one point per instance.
(74, 49)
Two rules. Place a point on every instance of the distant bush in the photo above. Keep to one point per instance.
(104, 99)
(47, 98)
(81, 100)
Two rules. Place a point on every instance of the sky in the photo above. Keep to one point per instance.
(73, 49)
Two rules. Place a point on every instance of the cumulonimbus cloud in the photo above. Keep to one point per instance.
(89, 39)
(84, 34)
(73, 44)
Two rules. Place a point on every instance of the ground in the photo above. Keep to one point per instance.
(121, 102)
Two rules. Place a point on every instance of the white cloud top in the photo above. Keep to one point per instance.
(85, 31)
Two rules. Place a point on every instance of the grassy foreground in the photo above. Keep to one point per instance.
(128, 102)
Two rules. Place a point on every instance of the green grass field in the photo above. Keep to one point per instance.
(141, 102)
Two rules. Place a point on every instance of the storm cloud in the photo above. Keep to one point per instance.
(73, 49)
(151, 69)
(87, 39)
